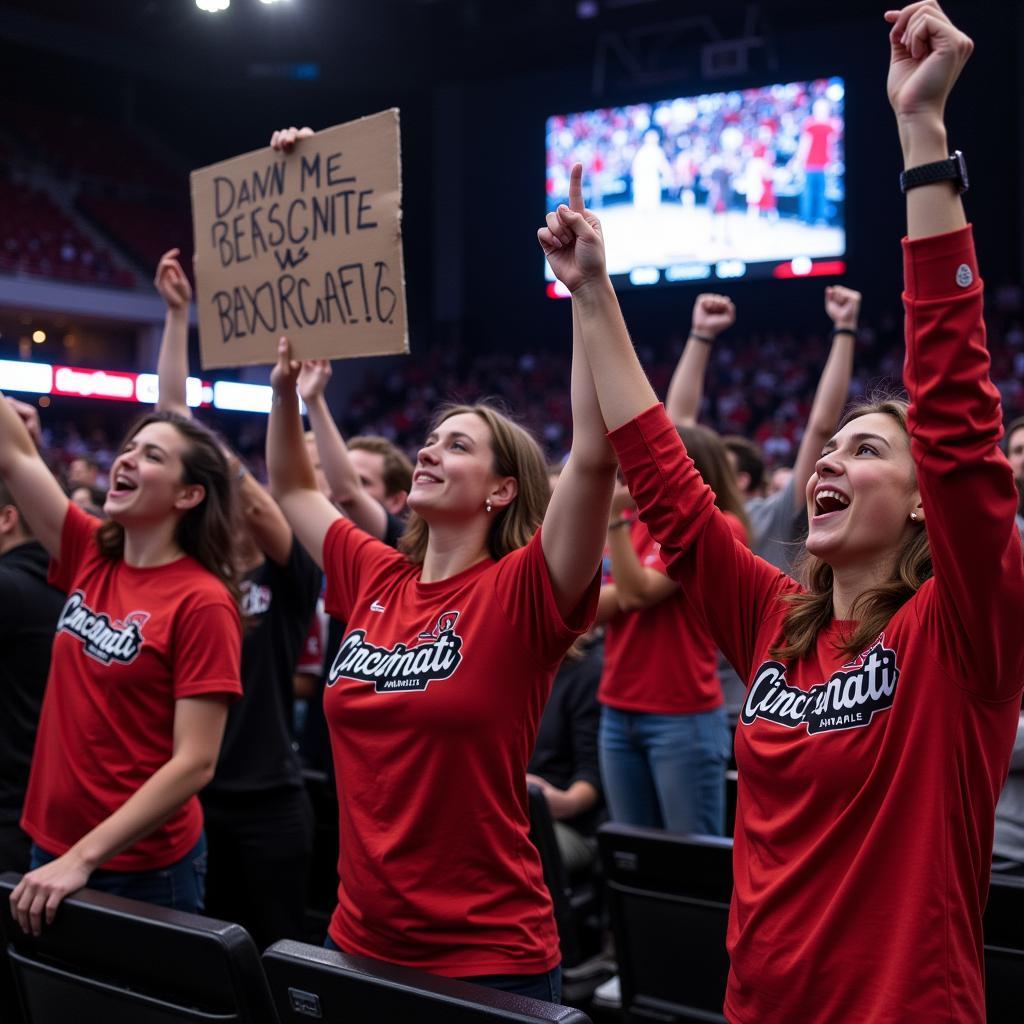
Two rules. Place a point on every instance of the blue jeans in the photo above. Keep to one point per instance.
(812, 198)
(179, 886)
(547, 986)
(665, 771)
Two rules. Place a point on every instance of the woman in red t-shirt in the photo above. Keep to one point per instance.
(145, 660)
(435, 693)
(883, 695)
(664, 738)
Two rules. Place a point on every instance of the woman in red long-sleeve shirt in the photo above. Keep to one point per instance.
(883, 695)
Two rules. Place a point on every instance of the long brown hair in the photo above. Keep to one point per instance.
(516, 454)
(811, 611)
(206, 532)
(709, 455)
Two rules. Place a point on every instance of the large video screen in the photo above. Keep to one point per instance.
(728, 185)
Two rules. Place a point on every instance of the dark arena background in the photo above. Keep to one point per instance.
(692, 119)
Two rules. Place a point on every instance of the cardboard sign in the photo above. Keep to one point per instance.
(306, 244)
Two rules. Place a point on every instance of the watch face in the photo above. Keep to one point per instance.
(961, 166)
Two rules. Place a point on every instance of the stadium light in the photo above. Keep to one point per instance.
(269, 2)
(213, 6)
(39, 337)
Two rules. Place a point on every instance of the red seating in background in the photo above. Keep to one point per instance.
(37, 237)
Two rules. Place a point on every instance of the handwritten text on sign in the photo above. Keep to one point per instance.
(306, 244)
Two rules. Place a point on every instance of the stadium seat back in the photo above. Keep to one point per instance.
(309, 982)
(1004, 950)
(118, 961)
(669, 900)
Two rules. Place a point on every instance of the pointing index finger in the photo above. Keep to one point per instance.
(576, 189)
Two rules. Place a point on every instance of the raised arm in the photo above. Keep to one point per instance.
(577, 515)
(37, 494)
(698, 544)
(172, 363)
(968, 497)
(712, 314)
(292, 481)
(843, 308)
(636, 585)
(262, 515)
(347, 490)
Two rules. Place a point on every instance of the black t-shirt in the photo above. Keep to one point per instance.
(29, 609)
(566, 750)
(278, 603)
(315, 741)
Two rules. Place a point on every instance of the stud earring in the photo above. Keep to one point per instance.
(913, 517)
(487, 506)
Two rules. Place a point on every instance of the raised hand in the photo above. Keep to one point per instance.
(171, 282)
(285, 375)
(29, 415)
(572, 240)
(712, 314)
(928, 52)
(313, 378)
(284, 139)
(842, 305)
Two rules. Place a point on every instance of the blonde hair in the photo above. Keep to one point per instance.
(811, 611)
(516, 454)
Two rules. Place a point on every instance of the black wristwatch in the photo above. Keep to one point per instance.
(953, 170)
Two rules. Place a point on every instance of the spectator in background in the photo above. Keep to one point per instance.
(664, 739)
(369, 478)
(29, 608)
(775, 519)
(1015, 453)
(564, 764)
(84, 471)
(88, 499)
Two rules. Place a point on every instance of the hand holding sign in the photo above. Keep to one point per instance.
(303, 238)
(285, 375)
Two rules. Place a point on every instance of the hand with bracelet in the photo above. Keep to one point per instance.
(622, 503)
(843, 308)
(712, 314)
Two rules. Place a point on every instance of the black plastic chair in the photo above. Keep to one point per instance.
(119, 961)
(668, 896)
(1004, 951)
(309, 982)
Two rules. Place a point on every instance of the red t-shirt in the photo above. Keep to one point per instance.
(129, 643)
(433, 702)
(661, 660)
(820, 133)
(867, 786)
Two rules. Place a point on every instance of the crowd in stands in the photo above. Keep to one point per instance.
(444, 605)
(38, 237)
(130, 196)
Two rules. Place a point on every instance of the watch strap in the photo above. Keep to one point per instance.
(952, 169)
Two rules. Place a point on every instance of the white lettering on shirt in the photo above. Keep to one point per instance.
(847, 700)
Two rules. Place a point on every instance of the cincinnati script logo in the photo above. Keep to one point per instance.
(848, 700)
(400, 668)
(103, 640)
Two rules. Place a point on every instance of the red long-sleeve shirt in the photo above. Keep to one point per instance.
(868, 785)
